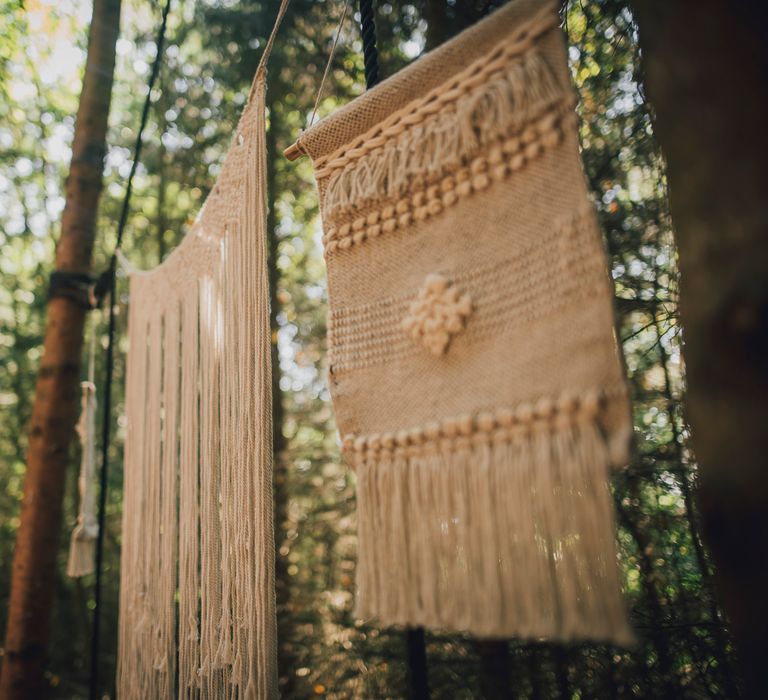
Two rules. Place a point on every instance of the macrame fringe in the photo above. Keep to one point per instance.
(508, 102)
(498, 530)
(82, 544)
(197, 615)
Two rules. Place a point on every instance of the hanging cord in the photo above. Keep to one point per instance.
(330, 60)
(371, 61)
(370, 54)
(82, 544)
(106, 287)
(261, 69)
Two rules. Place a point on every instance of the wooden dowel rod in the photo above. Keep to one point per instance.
(293, 152)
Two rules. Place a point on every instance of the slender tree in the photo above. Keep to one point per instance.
(56, 393)
(705, 65)
(280, 462)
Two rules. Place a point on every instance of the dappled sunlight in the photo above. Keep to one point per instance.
(210, 57)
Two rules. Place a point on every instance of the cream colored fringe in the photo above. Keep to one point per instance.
(82, 544)
(197, 608)
(506, 103)
(501, 527)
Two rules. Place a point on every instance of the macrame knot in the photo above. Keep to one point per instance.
(437, 314)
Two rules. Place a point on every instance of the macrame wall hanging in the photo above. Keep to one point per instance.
(197, 600)
(474, 368)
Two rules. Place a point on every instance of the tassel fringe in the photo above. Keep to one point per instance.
(197, 616)
(82, 544)
(82, 551)
(432, 553)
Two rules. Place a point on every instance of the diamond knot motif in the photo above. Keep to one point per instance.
(437, 314)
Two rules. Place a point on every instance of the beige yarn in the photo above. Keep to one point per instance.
(82, 544)
(197, 599)
(473, 363)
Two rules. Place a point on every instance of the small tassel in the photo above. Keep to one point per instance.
(82, 546)
(82, 552)
(237, 668)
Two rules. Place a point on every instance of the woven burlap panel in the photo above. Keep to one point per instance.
(197, 598)
(473, 363)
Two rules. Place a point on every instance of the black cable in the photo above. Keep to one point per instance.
(106, 286)
(370, 54)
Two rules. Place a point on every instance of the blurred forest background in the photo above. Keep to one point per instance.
(683, 648)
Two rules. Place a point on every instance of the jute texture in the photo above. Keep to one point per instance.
(197, 599)
(474, 369)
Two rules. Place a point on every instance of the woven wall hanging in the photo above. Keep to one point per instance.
(474, 369)
(197, 598)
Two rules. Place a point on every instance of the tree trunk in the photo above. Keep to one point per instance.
(705, 65)
(669, 683)
(442, 24)
(445, 20)
(57, 391)
(285, 656)
(494, 669)
(439, 27)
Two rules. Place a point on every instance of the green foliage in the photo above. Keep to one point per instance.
(683, 649)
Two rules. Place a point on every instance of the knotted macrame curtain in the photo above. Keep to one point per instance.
(474, 368)
(197, 601)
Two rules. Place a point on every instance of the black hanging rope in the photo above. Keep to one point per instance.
(370, 54)
(417, 650)
(106, 287)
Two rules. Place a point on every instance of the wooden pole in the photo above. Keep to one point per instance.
(55, 407)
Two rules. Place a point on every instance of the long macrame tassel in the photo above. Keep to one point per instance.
(82, 545)
(197, 598)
